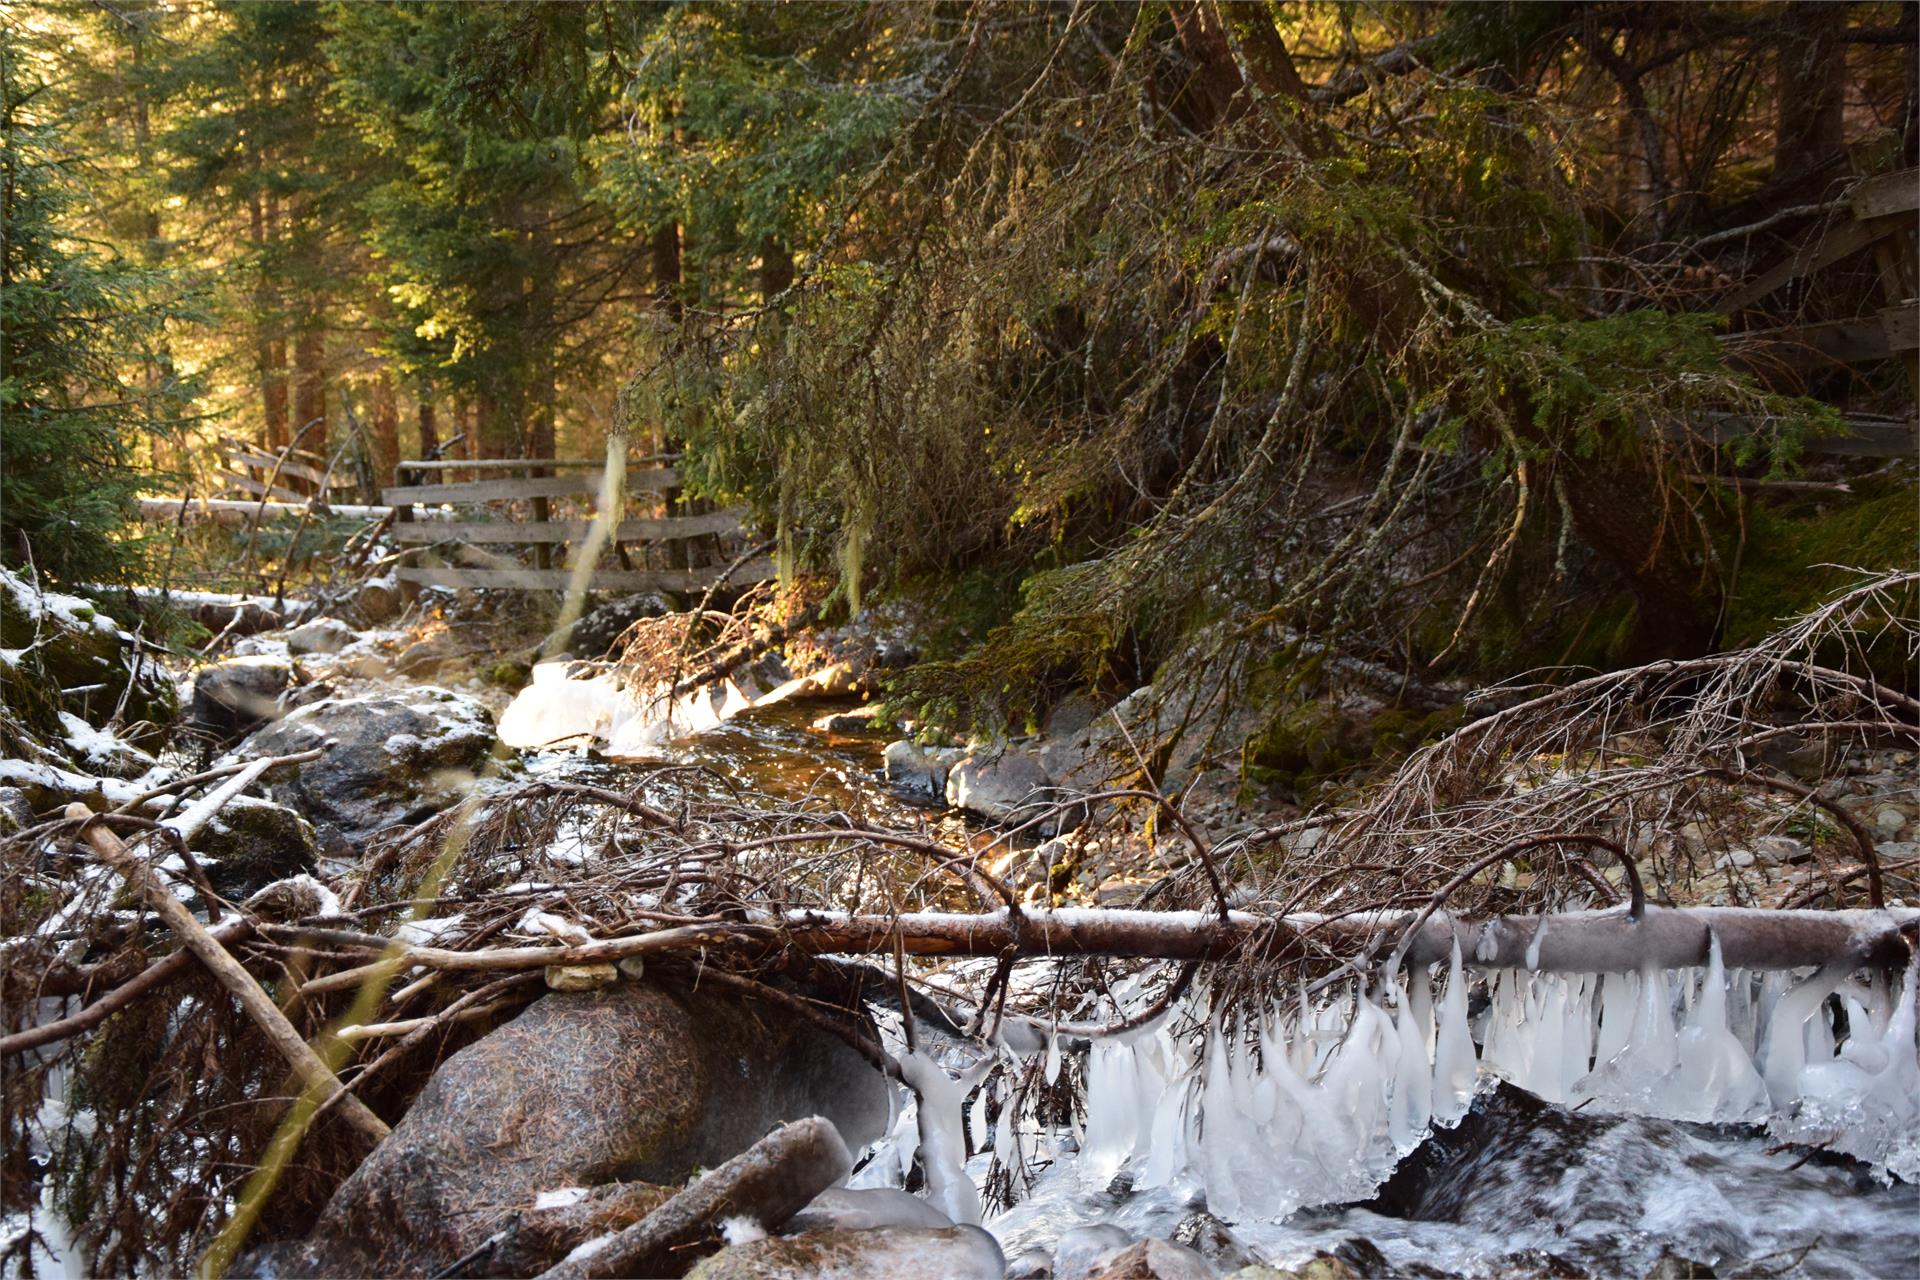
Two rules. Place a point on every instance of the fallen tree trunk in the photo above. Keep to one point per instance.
(1576, 942)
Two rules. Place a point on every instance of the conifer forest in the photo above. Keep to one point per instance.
(1049, 639)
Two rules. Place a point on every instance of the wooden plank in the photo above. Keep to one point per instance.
(247, 484)
(533, 487)
(1900, 324)
(1871, 440)
(1871, 436)
(517, 464)
(1811, 345)
(516, 532)
(1824, 248)
(264, 462)
(604, 580)
(1887, 194)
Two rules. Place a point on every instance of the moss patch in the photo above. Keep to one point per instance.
(1779, 575)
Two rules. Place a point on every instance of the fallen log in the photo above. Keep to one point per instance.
(1568, 942)
(231, 974)
(769, 1182)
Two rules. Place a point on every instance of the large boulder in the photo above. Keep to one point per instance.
(322, 635)
(920, 770)
(250, 843)
(617, 1091)
(953, 1253)
(58, 653)
(593, 635)
(233, 698)
(1008, 787)
(391, 758)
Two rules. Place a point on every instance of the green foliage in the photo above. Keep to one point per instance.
(81, 380)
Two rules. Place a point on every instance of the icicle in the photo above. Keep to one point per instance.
(1716, 1080)
(943, 1149)
(1420, 997)
(1619, 996)
(1634, 1077)
(1113, 1111)
(1866, 1102)
(1455, 1069)
(1052, 1069)
(1785, 1055)
(1412, 1104)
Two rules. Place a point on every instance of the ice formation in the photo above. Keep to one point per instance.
(1314, 1102)
(557, 707)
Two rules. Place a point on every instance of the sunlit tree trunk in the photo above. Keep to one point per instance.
(310, 388)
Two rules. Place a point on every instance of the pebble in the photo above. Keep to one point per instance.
(1781, 849)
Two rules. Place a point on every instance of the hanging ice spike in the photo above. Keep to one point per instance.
(1315, 1105)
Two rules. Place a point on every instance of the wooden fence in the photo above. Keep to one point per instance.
(265, 473)
(464, 551)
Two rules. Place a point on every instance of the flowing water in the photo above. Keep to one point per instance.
(1379, 1126)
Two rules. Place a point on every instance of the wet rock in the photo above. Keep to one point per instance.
(1538, 1262)
(16, 811)
(1505, 1126)
(1007, 787)
(921, 770)
(1213, 1240)
(428, 657)
(846, 1209)
(1154, 1260)
(390, 758)
(634, 1086)
(1322, 1266)
(1671, 1266)
(1032, 1263)
(1365, 1259)
(594, 634)
(233, 698)
(322, 635)
(251, 843)
(952, 1253)
(1080, 1249)
(858, 720)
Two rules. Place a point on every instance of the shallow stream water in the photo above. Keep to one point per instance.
(1521, 1187)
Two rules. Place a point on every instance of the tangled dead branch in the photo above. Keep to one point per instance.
(1480, 837)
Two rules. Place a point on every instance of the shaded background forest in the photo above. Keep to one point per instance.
(1257, 348)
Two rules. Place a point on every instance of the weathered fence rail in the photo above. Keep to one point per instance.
(464, 539)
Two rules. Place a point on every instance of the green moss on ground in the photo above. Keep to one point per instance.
(1781, 574)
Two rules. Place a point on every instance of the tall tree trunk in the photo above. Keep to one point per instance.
(386, 430)
(665, 252)
(269, 351)
(429, 433)
(1812, 65)
(776, 267)
(310, 389)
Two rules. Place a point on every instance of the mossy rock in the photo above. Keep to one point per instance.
(251, 843)
(68, 656)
